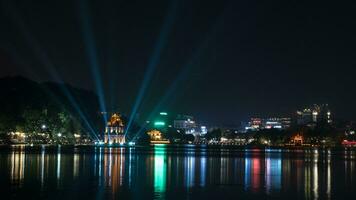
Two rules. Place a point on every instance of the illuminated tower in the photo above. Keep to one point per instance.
(114, 131)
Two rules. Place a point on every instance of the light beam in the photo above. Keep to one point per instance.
(154, 60)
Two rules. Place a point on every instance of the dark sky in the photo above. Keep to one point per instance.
(220, 61)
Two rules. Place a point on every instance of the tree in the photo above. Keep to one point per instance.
(188, 137)
(214, 134)
(33, 120)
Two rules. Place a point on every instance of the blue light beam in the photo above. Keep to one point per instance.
(46, 62)
(92, 53)
(183, 74)
(155, 58)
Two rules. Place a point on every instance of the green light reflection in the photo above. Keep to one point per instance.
(160, 167)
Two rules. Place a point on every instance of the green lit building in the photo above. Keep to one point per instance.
(161, 122)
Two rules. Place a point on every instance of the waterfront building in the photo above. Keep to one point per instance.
(268, 123)
(297, 140)
(17, 137)
(186, 123)
(256, 123)
(159, 122)
(203, 130)
(277, 122)
(114, 131)
(312, 115)
(156, 137)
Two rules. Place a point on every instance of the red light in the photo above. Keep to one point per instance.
(346, 142)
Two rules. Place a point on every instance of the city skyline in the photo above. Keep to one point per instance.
(177, 99)
(228, 59)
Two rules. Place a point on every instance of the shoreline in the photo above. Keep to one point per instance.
(189, 146)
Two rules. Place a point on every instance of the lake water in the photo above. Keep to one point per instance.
(187, 172)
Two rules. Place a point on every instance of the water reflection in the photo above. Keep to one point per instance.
(273, 174)
(42, 166)
(159, 171)
(58, 164)
(75, 165)
(328, 179)
(203, 167)
(315, 179)
(114, 168)
(160, 167)
(17, 167)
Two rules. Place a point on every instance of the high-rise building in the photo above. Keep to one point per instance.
(310, 116)
(203, 130)
(277, 122)
(268, 123)
(160, 122)
(186, 123)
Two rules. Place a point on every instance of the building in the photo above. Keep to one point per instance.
(186, 123)
(277, 122)
(203, 130)
(114, 131)
(159, 122)
(286, 122)
(17, 137)
(156, 137)
(268, 123)
(255, 123)
(272, 123)
(297, 140)
(312, 115)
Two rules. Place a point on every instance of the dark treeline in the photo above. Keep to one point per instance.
(51, 108)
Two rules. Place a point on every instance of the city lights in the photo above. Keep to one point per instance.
(177, 99)
(159, 123)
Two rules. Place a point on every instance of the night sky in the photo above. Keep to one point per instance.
(220, 61)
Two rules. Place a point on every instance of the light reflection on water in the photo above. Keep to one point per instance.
(159, 172)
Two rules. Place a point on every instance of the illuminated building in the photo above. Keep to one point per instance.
(114, 131)
(156, 137)
(186, 123)
(17, 137)
(256, 123)
(285, 122)
(297, 140)
(160, 122)
(269, 123)
(276, 122)
(203, 130)
(314, 114)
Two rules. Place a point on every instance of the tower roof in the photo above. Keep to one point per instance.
(115, 121)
